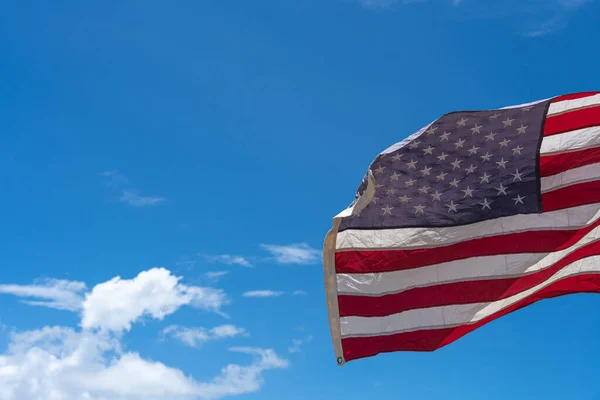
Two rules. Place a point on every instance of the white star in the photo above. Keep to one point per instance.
(454, 183)
(494, 116)
(485, 178)
(442, 157)
(501, 190)
(397, 157)
(412, 164)
(460, 143)
(491, 136)
(518, 199)
(419, 209)
(504, 143)
(476, 129)
(391, 191)
(462, 122)
(375, 200)
(456, 164)
(431, 130)
(410, 182)
(437, 196)
(425, 171)
(441, 176)
(414, 144)
(387, 210)
(487, 156)
(394, 176)
(378, 186)
(517, 150)
(424, 189)
(507, 122)
(468, 192)
(444, 136)
(428, 150)
(471, 169)
(517, 176)
(502, 163)
(404, 199)
(528, 108)
(486, 204)
(380, 169)
(451, 206)
(473, 150)
(521, 130)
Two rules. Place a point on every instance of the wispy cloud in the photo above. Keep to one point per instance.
(133, 198)
(298, 253)
(130, 196)
(228, 259)
(297, 344)
(215, 276)
(51, 293)
(197, 336)
(262, 293)
(299, 293)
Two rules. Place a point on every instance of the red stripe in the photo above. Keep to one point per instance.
(543, 241)
(571, 196)
(557, 163)
(429, 340)
(573, 96)
(572, 120)
(465, 292)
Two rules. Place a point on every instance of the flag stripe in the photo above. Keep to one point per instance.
(573, 96)
(564, 105)
(420, 238)
(464, 292)
(574, 195)
(474, 268)
(429, 340)
(572, 176)
(452, 315)
(570, 121)
(577, 139)
(557, 163)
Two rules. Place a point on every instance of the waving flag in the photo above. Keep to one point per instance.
(474, 216)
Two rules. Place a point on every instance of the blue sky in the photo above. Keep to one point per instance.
(170, 171)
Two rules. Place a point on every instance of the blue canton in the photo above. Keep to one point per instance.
(466, 167)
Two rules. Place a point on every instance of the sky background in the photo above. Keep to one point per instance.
(170, 170)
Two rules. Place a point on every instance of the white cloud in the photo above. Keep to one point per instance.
(117, 303)
(52, 293)
(197, 336)
(299, 253)
(262, 293)
(296, 346)
(132, 198)
(215, 276)
(229, 260)
(299, 293)
(60, 363)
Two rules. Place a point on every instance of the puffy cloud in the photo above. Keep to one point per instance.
(116, 304)
(60, 363)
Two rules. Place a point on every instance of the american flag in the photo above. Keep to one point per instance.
(474, 216)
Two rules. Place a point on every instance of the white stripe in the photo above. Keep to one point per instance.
(453, 315)
(569, 105)
(496, 267)
(586, 173)
(411, 238)
(571, 141)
